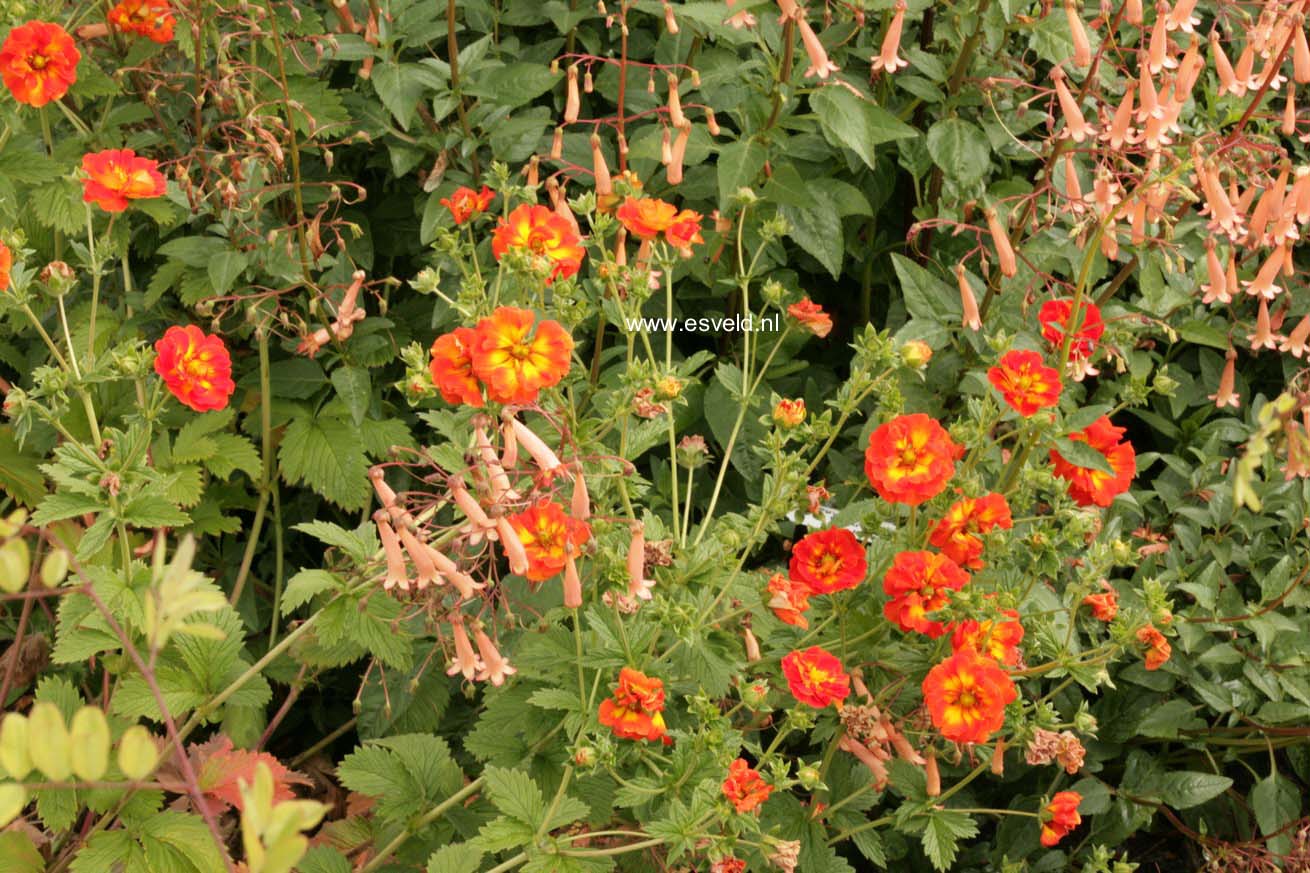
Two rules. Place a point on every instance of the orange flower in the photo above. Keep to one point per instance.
(1054, 318)
(816, 677)
(789, 413)
(646, 217)
(452, 367)
(6, 264)
(466, 203)
(549, 536)
(514, 366)
(1060, 816)
(196, 367)
(1157, 647)
(545, 235)
(966, 696)
(828, 561)
(917, 583)
(684, 231)
(789, 600)
(152, 19)
(997, 640)
(117, 176)
(1105, 605)
(957, 532)
(731, 864)
(811, 317)
(1025, 383)
(1088, 486)
(910, 459)
(744, 787)
(634, 711)
(38, 62)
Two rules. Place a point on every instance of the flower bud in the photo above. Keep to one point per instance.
(916, 354)
(58, 278)
(585, 757)
(809, 777)
(755, 694)
(789, 413)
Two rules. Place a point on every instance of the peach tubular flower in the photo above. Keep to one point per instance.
(466, 203)
(397, 574)
(1060, 816)
(1226, 396)
(515, 357)
(815, 677)
(450, 571)
(466, 660)
(115, 177)
(513, 546)
(573, 100)
(1217, 289)
(1294, 343)
(932, 774)
(910, 459)
(451, 367)
(1075, 125)
(543, 234)
(966, 696)
(745, 788)
(38, 62)
(678, 154)
(638, 585)
(1082, 49)
(196, 367)
(6, 264)
(580, 505)
(676, 117)
(820, 65)
(1025, 382)
(919, 583)
(1263, 283)
(811, 316)
(1264, 336)
(968, 302)
(1088, 486)
(646, 217)
(572, 584)
(877, 768)
(545, 459)
(829, 561)
(1001, 239)
(425, 568)
(152, 19)
(496, 475)
(1120, 131)
(495, 667)
(466, 503)
(888, 57)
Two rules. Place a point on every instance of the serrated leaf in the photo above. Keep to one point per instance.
(355, 389)
(360, 544)
(515, 794)
(455, 858)
(304, 586)
(738, 166)
(328, 455)
(57, 507)
(942, 834)
(233, 452)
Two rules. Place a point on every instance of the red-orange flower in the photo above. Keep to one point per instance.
(6, 264)
(816, 677)
(1060, 816)
(465, 203)
(789, 600)
(1105, 604)
(646, 217)
(1157, 647)
(684, 231)
(966, 695)
(195, 366)
(1025, 382)
(1088, 486)
(515, 361)
(811, 317)
(1054, 317)
(910, 459)
(998, 640)
(731, 864)
(957, 534)
(549, 536)
(789, 413)
(635, 710)
(38, 62)
(828, 561)
(116, 176)
(152, 19)
(919, 583)
(745, 787)
(545, 235)
(452, 367)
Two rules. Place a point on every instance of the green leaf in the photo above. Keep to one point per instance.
(739, 165)
(399, 87)
(942, 834)
(224, 268)
(817, 229)
(149, 510)
(57, 507)
(296, 379)
(513, 85)
(409, 774)
(18, 855)
(1185, 789)
(926, 295)
(355, 389)
(857, 124)
(360, 544)
(960, 149)
(515, 794)
(1164, 721)
(1276, 802)
(455, 858)
(304, 586)
(233, 452)
(1082, 455)
(327, 454)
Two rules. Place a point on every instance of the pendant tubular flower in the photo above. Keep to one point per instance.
(919, 583)
(572, 99)
(196, 367)
(678, 154)
(397, 574)
(820, 65)
(545, 459)
(450, 571)
(888, 57)
(495, 667)
(1226, 396)
(968, 302)
(1264, 336)
(466, 660)
(1001, 239)
(424, 568)
(513, 546)
(829, 561)
(1082, 49)
(1217, 288)
(910, 459)
(966, 696)
(1025, 382)
(38, 62)
(1075, 125)
(1094, 487)
(515, 357)
(638, 585)
(1295, 341)
(815, 677)
(116, 177)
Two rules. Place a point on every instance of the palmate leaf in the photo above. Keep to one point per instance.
(408, 774)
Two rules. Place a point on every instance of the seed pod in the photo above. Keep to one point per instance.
(137, 753)
(12, 800)
(91, 741)
(47, 742)
(14, 757)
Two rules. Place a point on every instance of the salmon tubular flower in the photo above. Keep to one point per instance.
(829, 561)
(638, 585)
(1025, 382)
(38, 62)
(196, 367)
(1217, 289)
(549, 538)
(572, 100)
(888, 57)
(1075, 125)
(425, 568)
(115, 177)
(745, 788)
(1001, 239)
(1226, 396)
(635, 711)
(514, 356)
(1060, 816)
(466, 203)
(1294, 343)
(495, 667)
(513, 546)
(152, 19)
(545, 459)
(466, 661)
(820, 65)
(1082, 48)
(917, 584)
(815, 677)
(1264, 336)
(910, 459)
(450, 571)
(1096, 487)
(968, 302)
(543, 234)
(966, 696)
(397, 574)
